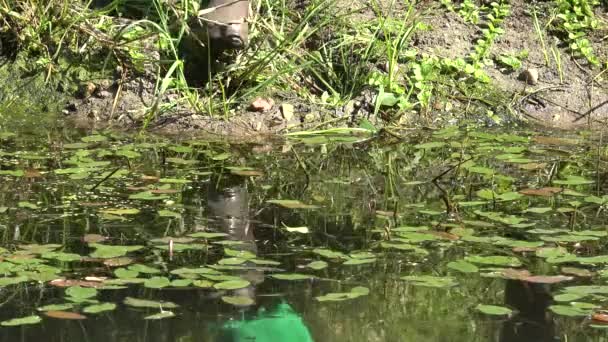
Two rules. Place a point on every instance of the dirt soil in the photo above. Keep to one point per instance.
(580, 100)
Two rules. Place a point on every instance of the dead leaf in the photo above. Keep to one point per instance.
(576, 271)
(544, 192)
(164, 191)
(65, 315)
(75, 282)
(93, 238)
(118, 262)
(600, 317)
(547, 279)
(515, 274)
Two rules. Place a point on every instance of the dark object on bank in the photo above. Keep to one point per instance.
(218, 30)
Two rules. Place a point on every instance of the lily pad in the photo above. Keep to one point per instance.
(238, 300)
(494, 310)
(34, 319)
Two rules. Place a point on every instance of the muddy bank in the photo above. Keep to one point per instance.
(571, 94)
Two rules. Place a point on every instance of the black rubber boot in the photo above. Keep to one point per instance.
(226, 24)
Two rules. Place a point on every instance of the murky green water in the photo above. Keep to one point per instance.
(302, 240)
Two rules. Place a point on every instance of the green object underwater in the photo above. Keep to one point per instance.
(280, 324)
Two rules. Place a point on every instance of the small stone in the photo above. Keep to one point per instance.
(87, 89)
(529, 76)
(261, 104)
(287, 111)
(103, 94)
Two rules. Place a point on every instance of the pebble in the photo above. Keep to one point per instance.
(287, 110)
(261, 104)
(529, 76)
(103, 94)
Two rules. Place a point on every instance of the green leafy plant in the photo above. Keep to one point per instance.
(576, 19)
(469, 11)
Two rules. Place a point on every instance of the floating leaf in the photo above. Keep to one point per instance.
(21, 321)
(231, 285)
(78, 292)
(108, 251)
(494, 310)
(355, 292)
(329, 253)
(207, 235)
(317, 265)
(238, 300)
(431, 281)
(97, 308)
(568, 297)
(570, 311)
(144, 269)
(463, 266)
(67, 315)
(292, 204)
(573, 180)
(144, 303)
(157, 282)
(160, 315)
(291, 276)
(56, 307)
(120, 212)
(359, 261)
(125, 273)
(301, 230)
(494, 260)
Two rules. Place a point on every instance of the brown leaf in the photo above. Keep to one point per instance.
(448, 236)
(600, 317)
(512, 273)
(75, 282)
(247, 173)
(555, 141)
(164, 191)
(575, 271)
(547, 279)
(93, 204)
(524, 249)
(545, 192)
(137, 188)
(118, 262)
(150, 178)
(532, 166)
(92, 238)
(95, 278)
(65, 315)
(32, 173)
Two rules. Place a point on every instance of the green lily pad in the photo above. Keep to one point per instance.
(34, 319)
(291, 276)
(238, 300)
(498, 260)
(431, 281)
(97, 308)
(494, 310)
(144, 303)
(160, 315)
(231, 285)
(463, 266)
(157, 282)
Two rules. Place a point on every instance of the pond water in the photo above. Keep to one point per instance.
(460, 234)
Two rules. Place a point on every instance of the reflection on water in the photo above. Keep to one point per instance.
(361, 196)
(532, 323)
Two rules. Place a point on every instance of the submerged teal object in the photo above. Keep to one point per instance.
(280, 324)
